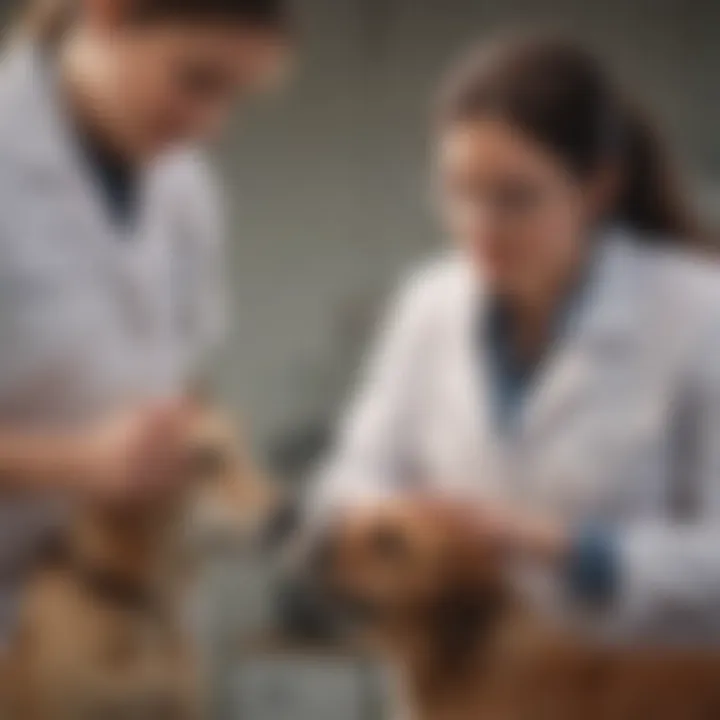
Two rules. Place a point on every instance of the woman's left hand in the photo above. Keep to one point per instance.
(525, 534)
(528, 534)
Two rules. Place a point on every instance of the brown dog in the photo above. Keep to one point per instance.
(102, 635)
(426, 588)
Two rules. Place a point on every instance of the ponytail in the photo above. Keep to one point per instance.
(47, 20)
(559, 94)
(651, 199)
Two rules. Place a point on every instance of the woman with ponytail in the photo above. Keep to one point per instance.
(110, 245)
(558, 370)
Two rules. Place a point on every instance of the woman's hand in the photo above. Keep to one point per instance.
(521, 533)
(136, 456)
(531, 535)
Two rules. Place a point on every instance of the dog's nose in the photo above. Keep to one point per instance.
(322, 553)
(206, 462)
(305, 601)
(283, 524)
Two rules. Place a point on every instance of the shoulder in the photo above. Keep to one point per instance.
(429, 301)
(18, 81)
(687, 279)
(684, 287)
(187, 176)
(439, 282)
(29, 119)
(189, 191)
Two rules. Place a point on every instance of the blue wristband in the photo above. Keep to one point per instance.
(593, 567)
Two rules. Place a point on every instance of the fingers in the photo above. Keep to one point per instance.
(475, 520)
(161, 450)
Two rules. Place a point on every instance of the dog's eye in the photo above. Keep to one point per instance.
(388, 543)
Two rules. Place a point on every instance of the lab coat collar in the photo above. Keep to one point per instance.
(607, 326)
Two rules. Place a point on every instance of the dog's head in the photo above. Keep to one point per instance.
(228, 497)
(221, 502)
(413, 568)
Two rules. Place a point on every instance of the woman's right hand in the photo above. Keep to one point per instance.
(136, 456)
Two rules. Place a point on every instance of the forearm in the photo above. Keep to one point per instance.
(587, 559)
(658, 580)
(40, 462)
(668, 581)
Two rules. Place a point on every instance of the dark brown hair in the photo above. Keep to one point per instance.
(47, 19)
(558, 93)
(263, 13)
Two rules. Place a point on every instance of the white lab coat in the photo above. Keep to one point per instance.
(91, 316)
(623, 426)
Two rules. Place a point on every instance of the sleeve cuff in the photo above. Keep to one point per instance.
(593, 567)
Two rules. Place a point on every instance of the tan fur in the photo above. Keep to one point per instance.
(80, 655)
(441, 610)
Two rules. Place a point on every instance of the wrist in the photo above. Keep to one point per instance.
(79, 463)
(592, 565)
(541, 539)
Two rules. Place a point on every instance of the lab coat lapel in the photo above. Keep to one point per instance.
(606, 326)
(45, 149)
(46, 146)
(478, 443)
